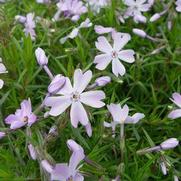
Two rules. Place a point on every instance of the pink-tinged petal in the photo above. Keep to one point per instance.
(11, 118)
(103, 45)
(17, 124)
(77, 78)
(60, 172)
(102, 61)
(58, 104)
(115, 110)
(93, 98)
(73, 146)
(86, 78)
(118, 68)
(88, 129)
(78, 113)
(78, 177)
(31, 119)
(176, 99)
(124, 113)
(67, 88)
(134, 119)
(75, 159)
(26, 107)
(175, 114)
(129, 2)
(127, 56)
(120, 40)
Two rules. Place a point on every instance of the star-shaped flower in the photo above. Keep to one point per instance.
(114, 54)
(75, 97)
(22, 117)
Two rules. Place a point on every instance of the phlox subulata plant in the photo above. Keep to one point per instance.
(100, 115)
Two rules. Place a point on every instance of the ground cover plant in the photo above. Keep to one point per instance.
(90, 90)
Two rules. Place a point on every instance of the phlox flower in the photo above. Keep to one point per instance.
(176, 98)
(178, 4)
(23, 116)
(2, 71)
(70, 171)
(97, 5)
(29, 24)
(71, 8)
(120, 116)
(114, 53)
(135, 9)
(75, 96)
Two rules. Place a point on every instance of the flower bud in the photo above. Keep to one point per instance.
(139, 32)
(46, 165)
(169, 144)
(41, 57)
(72, 145)
(140, 18)
(56, 84)
(32, 151)
(21, 19)
(1, 84)
(101, 30)
(102, 81)
(163, 168)
(2, 134)
(155, 17)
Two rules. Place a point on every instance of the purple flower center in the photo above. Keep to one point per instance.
(70, 178)
(114, 54)
(25, 119)
(75, 96)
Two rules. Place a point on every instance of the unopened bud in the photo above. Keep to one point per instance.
(21, 19)
(102, 81)
(155, 17)
(32, 151)
(169, 144)
(41, 57)
(139, 32)
(56, 84)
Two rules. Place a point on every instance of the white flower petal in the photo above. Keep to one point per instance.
(102, 61)
(127, 56)
(118, 68)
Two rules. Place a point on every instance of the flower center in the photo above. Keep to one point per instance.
(114, 54)
(70, 178)
(75, 96)
(25, 119)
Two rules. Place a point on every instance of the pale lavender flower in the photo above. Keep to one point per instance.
(2, 71)
(32, 151)
(97, 5)
(23, 116)
(2, 134)
(30, 26)
(178, 4)
(135, 9)
(176, 98)
(64, 171)
(72, 9)
(120, 116)
(114, 54)
(74, 97)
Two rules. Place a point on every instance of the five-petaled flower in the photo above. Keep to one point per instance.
(114, 54)
(120, 116)
(70, 172)
(135, 9)
(22, 117)
(176, 98)
(75, 96)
